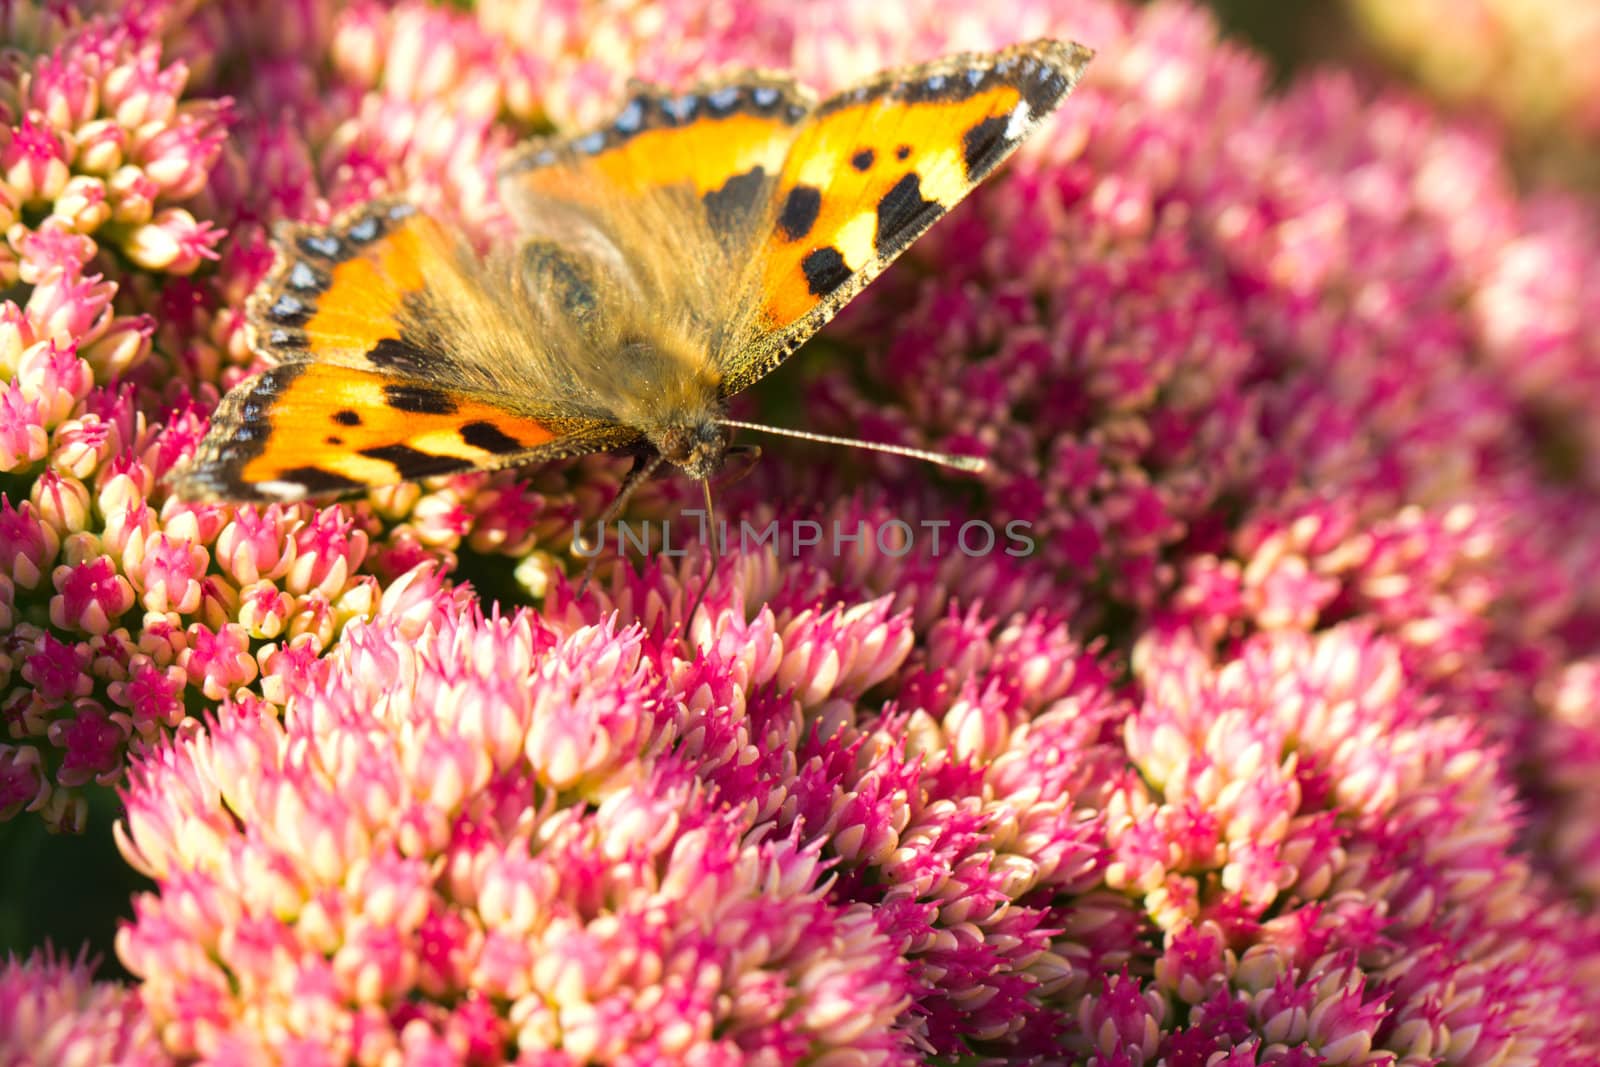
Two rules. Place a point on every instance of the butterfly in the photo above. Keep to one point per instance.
(661, 264)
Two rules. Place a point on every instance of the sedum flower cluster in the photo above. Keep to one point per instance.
(1279, 746)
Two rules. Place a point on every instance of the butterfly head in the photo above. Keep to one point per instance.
(697, 447)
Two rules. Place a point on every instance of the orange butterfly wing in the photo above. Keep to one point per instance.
(365, 392)
(875, 166)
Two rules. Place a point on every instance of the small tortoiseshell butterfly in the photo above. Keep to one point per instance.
(662, 263)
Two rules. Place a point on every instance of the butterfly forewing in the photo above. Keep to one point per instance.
(873, 167)
(722, 143)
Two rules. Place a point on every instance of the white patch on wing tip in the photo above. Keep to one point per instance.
(1020, 116)
(288, 492)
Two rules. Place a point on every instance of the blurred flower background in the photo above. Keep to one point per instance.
(1283, 747)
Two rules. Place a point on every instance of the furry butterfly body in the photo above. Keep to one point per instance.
(661, 264)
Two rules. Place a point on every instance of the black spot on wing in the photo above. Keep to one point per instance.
(347, 418)
(825, 270)
(414, 463)
(317, 481)
(740, 198)
(399, 356)
(485, 436)
(983, 145)
(902, 152)
(903, 213)
(418, 399)
(799, 212)
(334, 440)
(862, 160)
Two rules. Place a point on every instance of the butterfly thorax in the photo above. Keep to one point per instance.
(664, 384)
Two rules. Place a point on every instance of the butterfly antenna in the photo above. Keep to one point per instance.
(716, 557)
(643, 468)
(943, 459)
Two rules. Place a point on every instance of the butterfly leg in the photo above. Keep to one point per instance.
(644, 465)
(746, 455)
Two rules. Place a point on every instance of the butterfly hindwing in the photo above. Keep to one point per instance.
(874, 166)
(312, 429)
(392, 366)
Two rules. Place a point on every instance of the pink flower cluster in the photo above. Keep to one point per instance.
(1524, 61)
(538, 856)
(1279, 749)
(122, 612)
(53, 1012)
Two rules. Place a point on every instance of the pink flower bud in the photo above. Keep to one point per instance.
(312, 621)
(57, 671)
(56, 377)
(256, 545)
(179, 156)
(120, 492)
(90, 596)
(82, 204)
(359, 46)
(132, 194)
(140, 91)
(23, 782)
(24, 440)
(265, 610)
(152, 695)
(100, 146)
(28, 545)
(63, 90)
(162, 637)
(327, 549)
(219, 661)
(123, 346)
(34, 165)
(81, 547)
(54, 249)
(61, 501)
(81, 445)
(219, 601)
(1123, 1019)
(169, 573)
(172, 241)
(92, 744)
